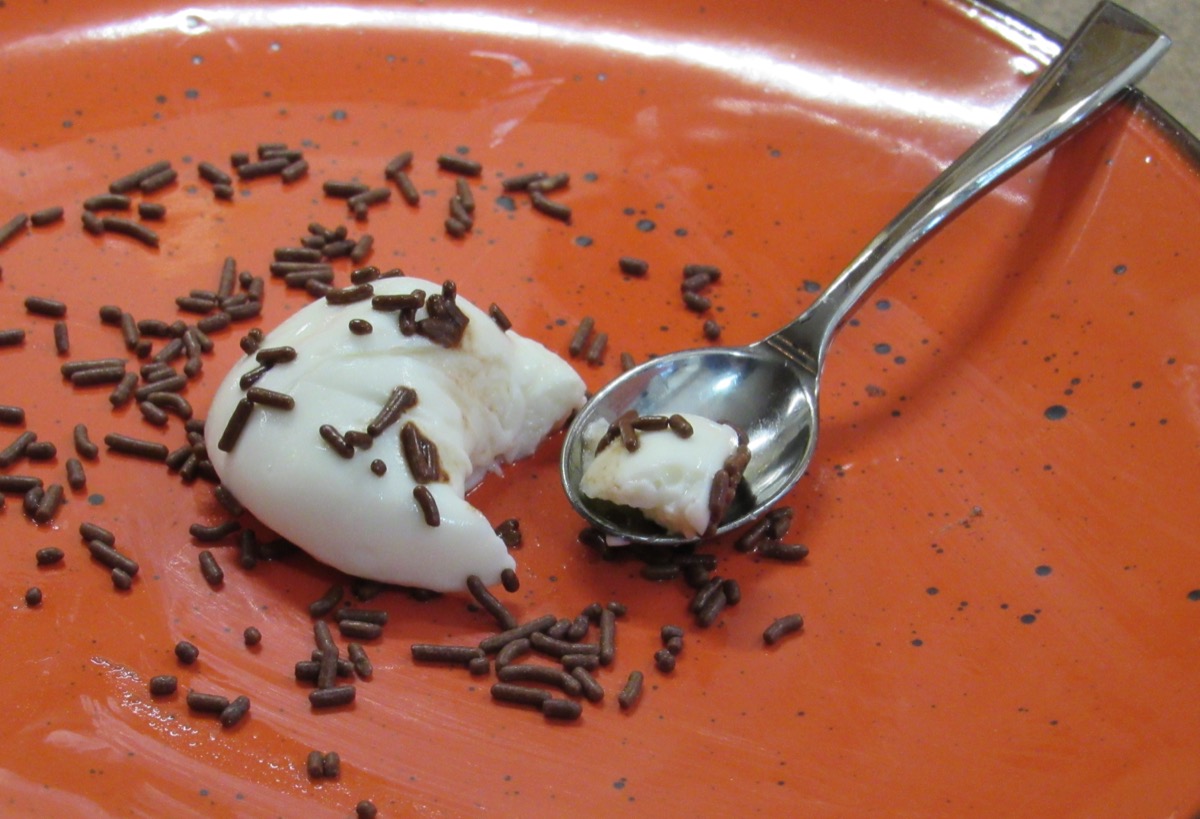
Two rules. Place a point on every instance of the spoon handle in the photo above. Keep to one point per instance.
(1111, 50)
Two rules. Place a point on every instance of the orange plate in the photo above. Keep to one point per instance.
(1003, 597)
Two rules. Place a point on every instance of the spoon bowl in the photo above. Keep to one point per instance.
(769, 389)
(753, 388)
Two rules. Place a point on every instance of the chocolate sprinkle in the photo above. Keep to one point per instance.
(428, 505)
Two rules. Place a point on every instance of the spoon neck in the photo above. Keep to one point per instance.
(1112, 50)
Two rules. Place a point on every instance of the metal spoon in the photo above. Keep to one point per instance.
(769, 389)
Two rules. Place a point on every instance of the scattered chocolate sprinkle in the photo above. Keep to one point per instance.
(233, 713)
(133, 180)
(632, 691)
(186, 652)
(134, 230)
(211, 534)
(496, 642)
(582, 334)
(695, 302)
(12, 227)
(11, 415)
(660, 572)
(712, 330)
(275, 355)
(401, 162)
(561, 709)
(92, 531)
(29, 503)
(460, 213)
(608, 633)
(555, 210)
(455, 228)
(100, 375)
(680, 426)
(408, 191)
(264, 167)
(46, 216)
(351, 294)
(519, 694)
(42, 306)
(510, 581)
(151, 211)
(458, 164)
(377, 616)
(499, 317)
(215, 322)
(664, 661)
(210, 569)
(631, 266)
(172, 402)
(236, 424)
(421, 455)
(359, 630)
(152, 413)
(92, 223)
(732, 590)
(753, 536)
(509, 531)
(250, 377)
(18, 483)
(336, 441)
(137, 447)
(428, 505)
(48, 506)
(379, 467)
(294, 171)
(163, 685)
(49, 556)
(558, 648)
(16, 450)
(787, 552)
(592, 690)
(251, 636)
(62, 339)
(326, 602)
(489, 603)
(212, 174)
(779, 520)
(522, 181)
(157, 181)
(512, 651)
(362, 248)
(595, 352)
(270, 398)
(313, 764)
(360, 660)
(712, 608)
(207, 703)
(107, 201)
(41, 451)
(367, 198)
(342, 189)
(451, 655)
(782, 627)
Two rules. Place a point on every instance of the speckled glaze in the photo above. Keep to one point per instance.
(1002, 599)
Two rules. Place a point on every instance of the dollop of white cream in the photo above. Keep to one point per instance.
(667, 478)
(489, 401)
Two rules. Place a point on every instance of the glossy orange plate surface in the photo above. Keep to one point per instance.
(1002, 600)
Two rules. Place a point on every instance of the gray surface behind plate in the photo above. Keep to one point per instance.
(1175, 82)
